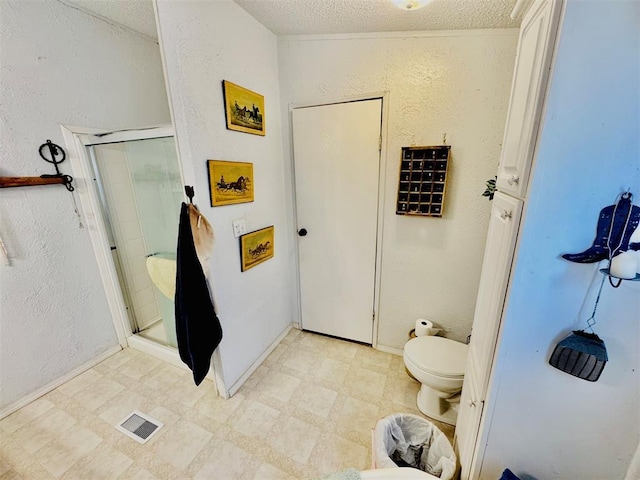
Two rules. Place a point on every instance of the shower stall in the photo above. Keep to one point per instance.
(133, 193)
(140, 191)
(130, 185)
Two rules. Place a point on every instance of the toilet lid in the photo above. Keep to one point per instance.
(438, 355)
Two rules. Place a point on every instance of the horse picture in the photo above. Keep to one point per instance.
(256, 247)
(244, 109)
(230, 182)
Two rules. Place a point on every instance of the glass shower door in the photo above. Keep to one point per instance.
(141, 191)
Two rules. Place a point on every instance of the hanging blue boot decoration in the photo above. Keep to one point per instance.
(616, 224)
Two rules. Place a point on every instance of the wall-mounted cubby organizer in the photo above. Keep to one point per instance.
(423, 176)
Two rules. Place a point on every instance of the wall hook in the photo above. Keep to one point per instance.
(188, 189)
(56, 156)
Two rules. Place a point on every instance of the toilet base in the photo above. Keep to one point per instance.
(431, 404)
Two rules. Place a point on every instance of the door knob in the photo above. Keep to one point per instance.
(472, 403)
(302, 232)
(504, 215)
(515, 179)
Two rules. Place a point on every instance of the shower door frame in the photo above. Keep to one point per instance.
(77, 141)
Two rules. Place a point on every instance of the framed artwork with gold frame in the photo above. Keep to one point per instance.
(256, 247)
(230, 182)
(244, 109)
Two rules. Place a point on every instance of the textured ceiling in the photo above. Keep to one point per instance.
(296, 17)
(299, 17)
(137, 15)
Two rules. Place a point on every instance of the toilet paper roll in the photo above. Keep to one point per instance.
(425, 327)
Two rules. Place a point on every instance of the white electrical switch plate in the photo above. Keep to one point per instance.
(239, 227)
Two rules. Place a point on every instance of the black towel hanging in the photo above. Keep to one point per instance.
(198, 329)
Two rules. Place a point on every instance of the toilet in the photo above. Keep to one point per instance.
(438, 364)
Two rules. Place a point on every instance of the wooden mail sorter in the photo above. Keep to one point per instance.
(423, 175)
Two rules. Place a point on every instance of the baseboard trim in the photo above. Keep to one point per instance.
(254, 366)
(27, 399)
(169, 355)
(393, 350)
(161, 352)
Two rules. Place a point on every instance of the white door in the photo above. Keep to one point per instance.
(468, 425)
(496, 269)
(535, 51)
(337, 161)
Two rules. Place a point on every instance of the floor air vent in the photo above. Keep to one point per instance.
(139, 426)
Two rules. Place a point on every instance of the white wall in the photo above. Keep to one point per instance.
(59, 66)
(442, 82)
(547, 424)
(204, 43)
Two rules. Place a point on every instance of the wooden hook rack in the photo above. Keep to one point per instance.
(6, 182)
(56, 156)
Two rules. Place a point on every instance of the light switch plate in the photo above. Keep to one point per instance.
(239, 227)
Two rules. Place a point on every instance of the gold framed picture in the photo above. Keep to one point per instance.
(230, 182)
(243, 108)
(256, 247)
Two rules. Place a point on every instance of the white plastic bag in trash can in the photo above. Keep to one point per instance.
(408, 440)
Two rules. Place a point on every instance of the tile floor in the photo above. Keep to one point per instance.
(306, 412)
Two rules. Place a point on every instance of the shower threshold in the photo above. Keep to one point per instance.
(156, 333)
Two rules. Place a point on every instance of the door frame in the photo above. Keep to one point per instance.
(382, 175)
(77, 139)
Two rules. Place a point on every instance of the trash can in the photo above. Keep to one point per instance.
(406, 440)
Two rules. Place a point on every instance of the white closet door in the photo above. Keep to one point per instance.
(496, 269)
(535, 51)
(337, 158)
(468, 425)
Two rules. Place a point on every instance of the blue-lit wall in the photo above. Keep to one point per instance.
(545, 423)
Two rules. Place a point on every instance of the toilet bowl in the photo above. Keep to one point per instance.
(438, 364)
